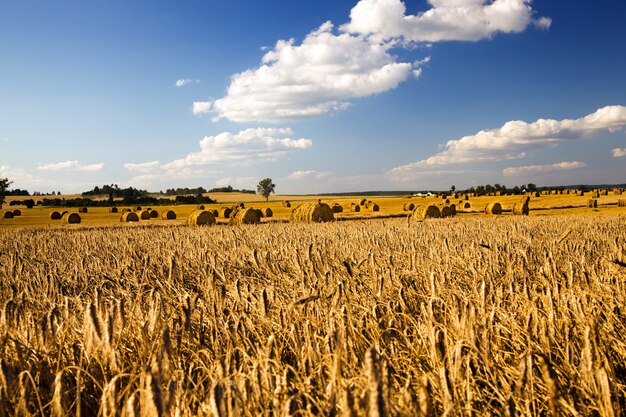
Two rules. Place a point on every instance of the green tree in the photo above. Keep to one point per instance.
(4, 185)
(265, 188)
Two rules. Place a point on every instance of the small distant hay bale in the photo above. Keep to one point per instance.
(592, 203)
(260, 212)
(268, 212)
(71, 218)
(215, 212)
(286, 203)
(113, 210)
(225, 212)
(337, 208)
(129, 216)
(621, 203)
(525, 200)
(200, 218)
(429, 211)
(138, 208)
(200, 207)
(126, 210)
(466, 197)
(17, 212)
(363, 202)
(355, 208)
(604, 192)
(82, 209)
(168, 215)
(537, 194)
(447, 201)
(595, 194)
(493, 208)
(246, 216)
(617, 191)
(312, 213)
(448, 210)
(408, 207)
(154, 214)
(465, 205)
(144, 215)
(8, 215)
(55, 215)
(64, 212)
(521, 209)
(373, 206)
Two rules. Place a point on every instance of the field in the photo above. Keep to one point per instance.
(472, 315)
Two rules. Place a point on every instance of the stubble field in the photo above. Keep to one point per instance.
(475, 315)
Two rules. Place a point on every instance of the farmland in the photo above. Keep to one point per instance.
(470, 315)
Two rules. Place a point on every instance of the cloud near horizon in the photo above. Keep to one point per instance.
(331, 66)
(303, 174)
(70, 166)
(618, 152)
(540, 169)
(184, 81)
(514, 138)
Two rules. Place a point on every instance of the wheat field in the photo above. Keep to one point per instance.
(460, 317)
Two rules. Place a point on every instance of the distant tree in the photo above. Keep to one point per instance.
(4, 185)
(452, 189)
(531, 187)
(265, 188)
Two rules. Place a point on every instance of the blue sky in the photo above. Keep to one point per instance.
(321, 96)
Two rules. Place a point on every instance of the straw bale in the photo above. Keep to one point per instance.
(286, 203)
(154, 214)
(55, 215)
(449, 210)
(168, 215)
(245, 216)
(17, 212)
(200, 207)
(268, 212)
(373, 207)
(8, 215)
(355, 207)
(428, 211)
(312, 213)
(112, 209)
(525, 200)
(144, 215)
(521, 209)
(621, 203)
(138, 208)
(71, 218)
(129, 216)
(225, 212)
(363, 202)
(408, 207)
(82, 209)
(493, 208)
(200, 218)
(592, 203)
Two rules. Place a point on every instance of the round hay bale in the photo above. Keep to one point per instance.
(246, 216)
(525, 200)
(200, 207)
(447, 201)
(82, 209)
(129, 216)
(144, 215)
(465, 205)
(448, 210)
(126, 210)
(138, 208)
(429, 211)
(215, 212)
(268, 212)
(112, 209)
(260, 212)
(363, 202)
(55, 215)
(312, 213)
(408, 207)
(592, 203)
(17, 212)
(521, 209)
(200, 218)
(493, 208)
(225, 212)
(71, 218)
(168, 215)
(355, 207)
(8, 215)
(154, 214)
(536, 194)
(373, 207)
(286, 203)
(621, 203)
(337, 208)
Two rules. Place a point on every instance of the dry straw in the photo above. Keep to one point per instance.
(144, 215)
(154, 214)
(225, 212)
(168, 215)
(408, 207)
(138, 208)
(312, 213)
(246, 216)
(363, 202)
(200, 207)
(82, 209)
(592, 203)
(268, 212)
(200, 218)
(429, 211)
(8, 215)
(493, 208)
(55, 215)
(337, 208)
(372, 206)
(286, 203)
(448, 210)
(71, 218)
(129, 216)
(17, 213)
(621, 203)
(355, 207)
(113, 210)
(522, 208)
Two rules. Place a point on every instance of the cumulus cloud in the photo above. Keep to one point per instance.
(332, 66)
(70, 166)
(540, 169)
(447, 20)
(299, 175)
(238, 182)
(184, 81)
(245, 147)
(514, 138)
(618, 152)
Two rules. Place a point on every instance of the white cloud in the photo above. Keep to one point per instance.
(201, 107)
(70, 166)
(238, 182)
(331, 67)
(183, 82)
(540, 169)
(246, 147)
(618, 152)
(447, 20)
(514, 138)
(299, 175)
